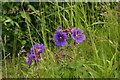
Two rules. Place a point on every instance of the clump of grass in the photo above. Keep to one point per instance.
(25, 24)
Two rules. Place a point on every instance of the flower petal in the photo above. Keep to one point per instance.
(31, 50)
(28, 61)
(60, 27)
(55, 37)
(73, 30)
(79, 38)
(36, 46)
(28, 55)
(61, 42)
(42, 49)
(57, 32)
(78, 41)
(31, 56)
(73, 35)
(83, 37)
(79, 31)
(64, 35)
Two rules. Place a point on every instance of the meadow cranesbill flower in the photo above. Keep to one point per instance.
(77, 35)
(60, 38)
(37, 49)
(30, 58)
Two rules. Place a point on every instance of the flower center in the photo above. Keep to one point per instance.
(78, 34)
(37, 50)
(60, 38)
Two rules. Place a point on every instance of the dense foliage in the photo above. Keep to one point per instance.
(27, 23)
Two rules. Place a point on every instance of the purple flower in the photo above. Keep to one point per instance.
(37, 49)
(60, 38)
(60, 27)
(77, 35)
(30, 58)
(37, 56)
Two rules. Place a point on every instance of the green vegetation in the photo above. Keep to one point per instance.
(24, 24)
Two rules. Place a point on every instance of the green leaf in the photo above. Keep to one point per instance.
(23, 72)
(23, 42)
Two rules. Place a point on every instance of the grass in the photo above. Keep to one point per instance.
(96, 57)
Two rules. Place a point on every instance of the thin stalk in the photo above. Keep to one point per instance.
(4, 60)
